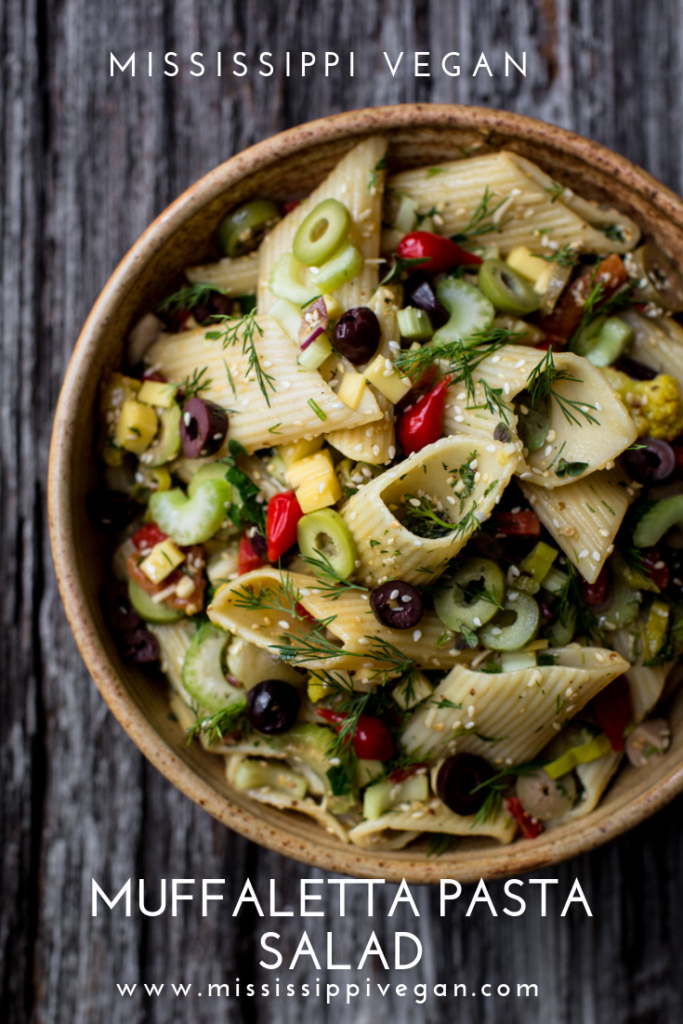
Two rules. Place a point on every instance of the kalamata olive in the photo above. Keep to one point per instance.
(203, 426)
(459, 776)
(111, 511)
(272, 706)
(634, 369)
(653, 463)
(418, 291)
(215, 304)
(397, 604)
(545, 798)
(140, 646)
(260, 545)
(357, 334)
(658, 278)
(118, 609)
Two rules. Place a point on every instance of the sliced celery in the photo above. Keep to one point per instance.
(192, 520)
(203, 676)
(657, 520)
(469, 310)
(414, 324)
(538, 562)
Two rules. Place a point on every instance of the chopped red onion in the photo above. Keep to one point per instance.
(313, 323)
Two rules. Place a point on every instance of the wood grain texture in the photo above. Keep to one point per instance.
(86, 161)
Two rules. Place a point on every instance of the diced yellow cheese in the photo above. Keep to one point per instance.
(162, 560)
(317, 688)
(333, 306)
(351, 389)
(157, 392)
(136, 426)
(526, 264)
(543, 280)
(298, 450)
(315, 481)
(382, 374)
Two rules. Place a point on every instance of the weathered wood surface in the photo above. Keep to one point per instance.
(86, 162)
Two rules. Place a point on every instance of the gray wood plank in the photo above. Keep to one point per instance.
(86, 162)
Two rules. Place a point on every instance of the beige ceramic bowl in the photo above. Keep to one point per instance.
(288, 164)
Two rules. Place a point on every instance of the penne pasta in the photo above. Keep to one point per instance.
(235, 277)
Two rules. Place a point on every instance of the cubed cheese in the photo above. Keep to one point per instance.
(157, 392)
(351, 389)
(298, 450)
(382, 374)
(315, 482)
(136, 426)
(525, 263)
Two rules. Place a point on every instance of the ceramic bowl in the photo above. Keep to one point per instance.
(290, 164)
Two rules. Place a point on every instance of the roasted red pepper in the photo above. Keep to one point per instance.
(561, 324)
(518, 524)
(527, 826)
(422, 423)
(612, 709)
(284, 512)
(655, 567)
(442, 253)
(594, 593)
(372, 739)
(147, 536)
(247, 558)
(303, 614)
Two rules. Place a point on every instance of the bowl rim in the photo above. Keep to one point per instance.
(494, 862)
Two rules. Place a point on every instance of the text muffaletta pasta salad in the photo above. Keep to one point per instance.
(397, 499)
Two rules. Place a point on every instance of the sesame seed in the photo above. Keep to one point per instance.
(417, 635)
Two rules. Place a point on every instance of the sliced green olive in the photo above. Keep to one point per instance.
(659, 279)
(346, 264)
(242, 230)
(515, 626)
(472, 595)
(534, 422)
(321, 234)
(506, 289)
(324, 536)
(149, 610)
(469, 310)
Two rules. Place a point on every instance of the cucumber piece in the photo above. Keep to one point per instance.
(321, 233)
(253, 774)
(315, 354)
(469, 310)
(149, 610)
(342, 268)
(192, 520)
(554, 580)
(367, 771)
(288, 316)
(166, 446)
(657, 520)
(251, 665)
(625, 605)
(458, 603)
(507, 289)
(385, 794)
(614, 339)
(203, 676)
(285, 281)
(324, 535)
(514, 661)
(309, 743)
(515, 626)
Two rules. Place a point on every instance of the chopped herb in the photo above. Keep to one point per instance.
(540, 388)
(565, 468)
(614, 232)
(187, 298)
(555, 191)
(564, 257)
(441, 843)
(274, 430)
(400, 266)
(496, 786)
(461, 358)
(213, 728)
(338, 776)
(480, 222)
(317, 410)
(242, 330)
(193, 385)
(330, 583)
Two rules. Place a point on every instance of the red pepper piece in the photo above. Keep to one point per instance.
(247, 558)
(568, 313)
(518, 524)
(442, 253)
(303, 614)
(655, 567)
(291, 205)
(372, 739)
(594, 593)
(612, 709)
(527, 826)
(147, 536)
(284, 512)
(422, 424)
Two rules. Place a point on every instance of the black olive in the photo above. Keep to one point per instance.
(356, 335)
(118, 609)
(260, 545)
(140, 647)
(111, 511)
(397, 605)
(459, 776)
(203, 426)
(418, 291)
(654, 463)
(634, 369)
(215, 304)
(272, 706)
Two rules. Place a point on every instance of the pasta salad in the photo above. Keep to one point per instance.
(396, 489)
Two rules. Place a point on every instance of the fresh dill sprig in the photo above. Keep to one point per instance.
(555, 191)
(564, 257)
(242, 331)
(187, 298)
(461, 358)
(494, 401)
(540, 388)
(194, 384)
(298, 648)
(330, 583)
(423, 520)
(480, 222)
(495, 788)
(213, 728)
(440, 843)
